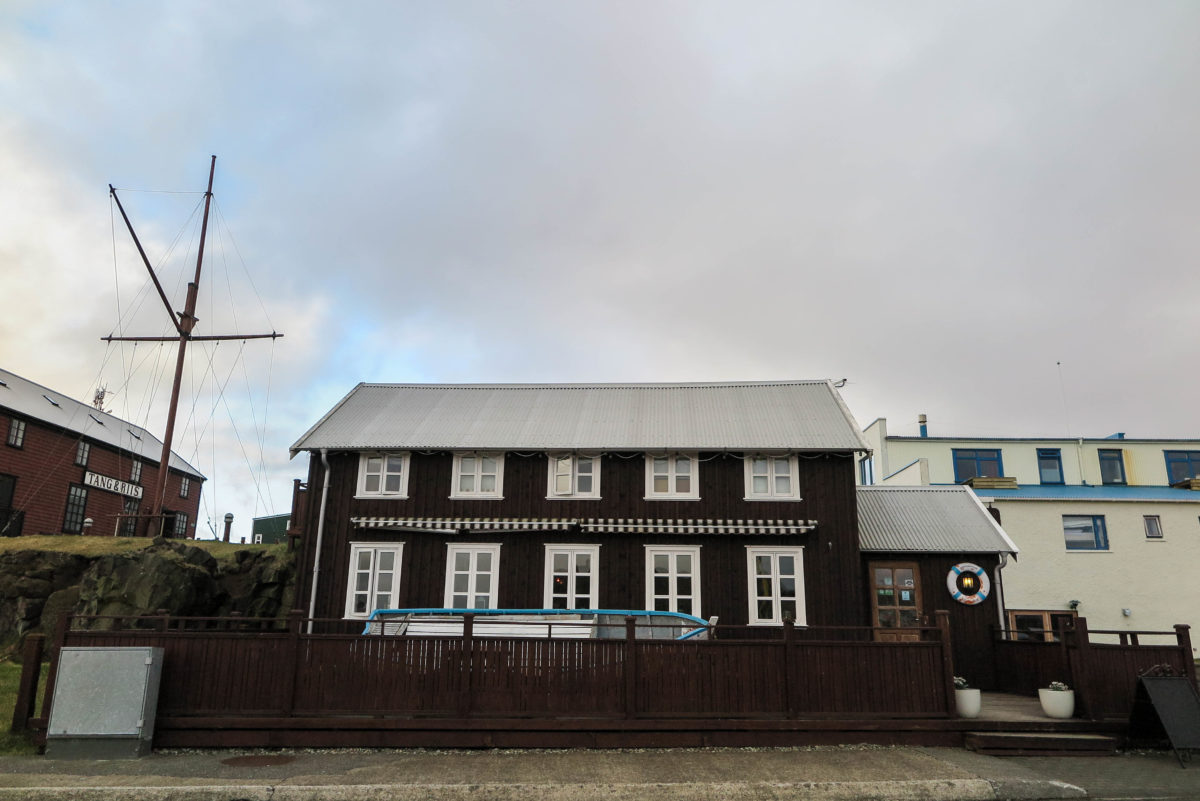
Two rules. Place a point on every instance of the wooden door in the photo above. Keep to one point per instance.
(896, 600)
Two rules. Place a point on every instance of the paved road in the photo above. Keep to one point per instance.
(835, 773)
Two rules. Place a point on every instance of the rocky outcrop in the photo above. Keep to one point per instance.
(37, 588)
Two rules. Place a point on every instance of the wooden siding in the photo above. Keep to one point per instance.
(44, 468)
(833, 587)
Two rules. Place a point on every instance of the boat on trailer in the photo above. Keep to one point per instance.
(578, 624)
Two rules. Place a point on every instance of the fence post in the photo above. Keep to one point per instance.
(1183, 636)
(164, 619)
(60, 639)
(1084, 685)
(943, 623)
(789, 666)
(630, 666)
(294, 626)
(31, 669)
(468, 665)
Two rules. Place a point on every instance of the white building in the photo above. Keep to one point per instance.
(1108, 528)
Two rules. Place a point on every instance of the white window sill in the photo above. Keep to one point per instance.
(476, 497)
(1087, 550)
(783, 498)
(797, 623)
(671, 498)
(573, 498)
(380, 496)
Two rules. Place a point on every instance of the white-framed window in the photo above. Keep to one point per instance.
(771, 478)
(374, 577)
(185, 486)
(135, 471)
(672, 476)
(383, 475)
(472, 574)
(82, 451)
(478, 475)
(572, 475)
(673, 578)
(571, 577)
(776, 585)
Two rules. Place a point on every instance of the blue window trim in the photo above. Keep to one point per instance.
(974, 455)
(1189, 459)
(1114, 456)
(1048, 454)
(1099, 534)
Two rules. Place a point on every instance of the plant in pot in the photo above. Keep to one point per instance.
(967, 699)
(1058, 700)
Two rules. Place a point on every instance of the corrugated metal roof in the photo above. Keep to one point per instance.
(927, 519)
(34, 402)
(786, 415)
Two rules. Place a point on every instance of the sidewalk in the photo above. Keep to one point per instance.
(834, 772)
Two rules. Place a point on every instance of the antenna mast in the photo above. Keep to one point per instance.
(184, 325)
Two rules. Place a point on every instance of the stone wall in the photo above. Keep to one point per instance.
(38, 587)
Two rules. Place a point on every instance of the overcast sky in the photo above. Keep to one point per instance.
(939, 202)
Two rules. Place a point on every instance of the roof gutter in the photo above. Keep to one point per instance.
(312, 593)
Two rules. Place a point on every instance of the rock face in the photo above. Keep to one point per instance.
(38, 587)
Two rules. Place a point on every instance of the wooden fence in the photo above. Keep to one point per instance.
(232, 672)
(1102, 666)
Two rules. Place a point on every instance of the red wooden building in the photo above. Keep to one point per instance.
(69, 468)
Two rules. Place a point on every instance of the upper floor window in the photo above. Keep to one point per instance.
(82, 451)
(771, 478)
(1112, 466)
(1050, 470)
(1085, 533)
(574, 476)
(672, 476)
(673, 578)
(135, 472)
(181, 525)
(478, 475)
(776, 577)
(1182, 465)
(1153, 525)
(571, 577)
(185, 486)
(974, 462)
(383, 474)
(374, 577)
(471, 574)
(16, 433)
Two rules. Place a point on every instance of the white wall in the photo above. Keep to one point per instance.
(1155, 579)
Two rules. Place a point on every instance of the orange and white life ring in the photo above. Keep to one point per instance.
(968, 583)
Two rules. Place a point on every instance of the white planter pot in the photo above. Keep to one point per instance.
(1058, 703)
(968, 703)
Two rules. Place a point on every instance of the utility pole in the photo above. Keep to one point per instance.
(184, 325)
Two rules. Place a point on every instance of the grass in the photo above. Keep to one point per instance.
(15, 744)
(108, 546)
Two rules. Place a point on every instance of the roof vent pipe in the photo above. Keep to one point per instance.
(922, 420)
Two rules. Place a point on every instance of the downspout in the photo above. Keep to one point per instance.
(1000, 589)
(312, 593)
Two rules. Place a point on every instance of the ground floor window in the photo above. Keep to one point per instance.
(374, 577)
(673, 578)
(776, 577)
(76, 509)
(571, 576)
(1085, 532)
(181, 525)
(1038, 625)
(129, 521)
(471, 575)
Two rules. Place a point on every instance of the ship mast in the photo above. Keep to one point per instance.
(184, 325)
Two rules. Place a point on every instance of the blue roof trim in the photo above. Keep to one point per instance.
(1056, 492)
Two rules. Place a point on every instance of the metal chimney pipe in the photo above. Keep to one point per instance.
(923, 420)
(228, 523)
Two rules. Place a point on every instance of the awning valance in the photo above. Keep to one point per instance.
(596, 525)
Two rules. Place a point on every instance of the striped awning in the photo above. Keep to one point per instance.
(611, 525)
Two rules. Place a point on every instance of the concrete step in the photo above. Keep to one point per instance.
(1020, 743)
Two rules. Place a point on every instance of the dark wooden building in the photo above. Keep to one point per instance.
(735, 501)
(69, 468)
